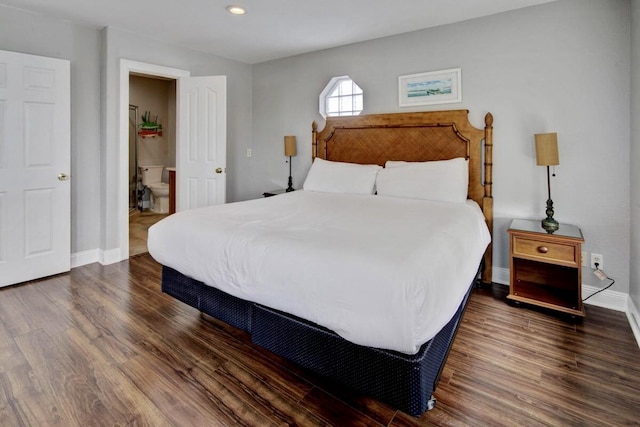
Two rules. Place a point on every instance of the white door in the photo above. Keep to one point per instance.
(34, 167)
(202, 148)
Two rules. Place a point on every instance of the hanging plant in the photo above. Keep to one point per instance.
(150, 126)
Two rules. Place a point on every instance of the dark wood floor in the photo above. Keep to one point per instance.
(103, 346)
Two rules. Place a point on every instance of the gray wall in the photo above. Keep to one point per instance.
(561, 67)
(634, 285)
(38, 35)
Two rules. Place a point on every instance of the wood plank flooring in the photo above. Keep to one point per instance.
(103, 346)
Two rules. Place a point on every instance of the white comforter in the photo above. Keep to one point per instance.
(379, 271)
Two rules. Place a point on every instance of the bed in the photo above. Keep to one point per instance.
(376, 318)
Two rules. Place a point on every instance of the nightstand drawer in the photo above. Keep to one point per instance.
(559, 253)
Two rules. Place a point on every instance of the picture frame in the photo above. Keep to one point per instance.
(433, 87)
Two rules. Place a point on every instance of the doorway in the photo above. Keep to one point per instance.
(200, 115)
(149, 71)
(152, 152)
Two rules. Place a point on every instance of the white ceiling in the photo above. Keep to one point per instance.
(271, 29)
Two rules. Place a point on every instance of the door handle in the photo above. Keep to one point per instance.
(218, 170)
(63, 177)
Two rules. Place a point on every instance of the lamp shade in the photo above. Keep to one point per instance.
(290, 146)
(547, 149)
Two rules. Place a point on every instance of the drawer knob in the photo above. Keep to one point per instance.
(543, 249)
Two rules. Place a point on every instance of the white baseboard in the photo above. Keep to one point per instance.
(79, 259)
(110, 256)
(634, 319)
(613, 300)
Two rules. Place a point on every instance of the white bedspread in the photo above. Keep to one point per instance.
(379, 271)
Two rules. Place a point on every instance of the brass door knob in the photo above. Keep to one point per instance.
(218, 170)
(63, 177)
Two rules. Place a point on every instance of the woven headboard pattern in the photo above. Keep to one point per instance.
(398, 143)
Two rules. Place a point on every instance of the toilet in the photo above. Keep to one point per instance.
(152, 178)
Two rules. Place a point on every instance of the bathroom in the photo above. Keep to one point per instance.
(152, 154)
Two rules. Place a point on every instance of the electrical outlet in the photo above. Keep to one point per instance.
(597, 258)
(249, 152)
(584, 258)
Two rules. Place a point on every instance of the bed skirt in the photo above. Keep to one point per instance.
(405, 382)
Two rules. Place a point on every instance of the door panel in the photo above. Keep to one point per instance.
(201, 157)
(39, 136)
(38, 213)
(34, 150)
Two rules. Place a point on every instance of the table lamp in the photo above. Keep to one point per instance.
(547, 155)
(290, 151)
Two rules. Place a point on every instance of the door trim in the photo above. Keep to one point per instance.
(127, 67)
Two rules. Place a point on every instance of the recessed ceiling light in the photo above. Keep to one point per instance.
(236, 10)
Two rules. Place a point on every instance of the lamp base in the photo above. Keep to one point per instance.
(550, 224)
(290, 187)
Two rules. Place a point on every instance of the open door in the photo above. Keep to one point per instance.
(202, 143)
(35, 162)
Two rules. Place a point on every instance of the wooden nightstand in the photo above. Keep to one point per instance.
(274, 192)
(546, 269)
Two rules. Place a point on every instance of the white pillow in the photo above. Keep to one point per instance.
(396, 163)
(340, 177)
(442, 180)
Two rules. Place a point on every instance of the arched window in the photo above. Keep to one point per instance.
(341, 97)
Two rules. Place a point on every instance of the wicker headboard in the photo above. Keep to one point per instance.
(418, 136)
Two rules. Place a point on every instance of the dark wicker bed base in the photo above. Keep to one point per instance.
(405, 382)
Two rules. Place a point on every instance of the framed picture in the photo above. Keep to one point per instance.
(434, 87)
